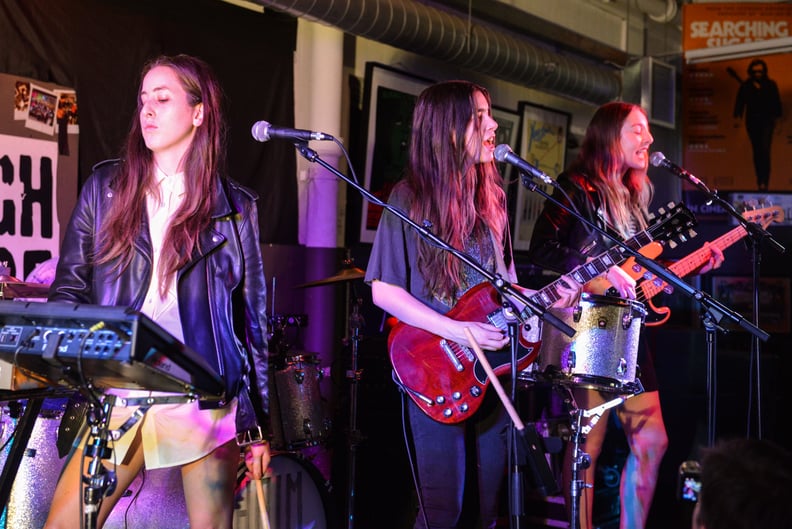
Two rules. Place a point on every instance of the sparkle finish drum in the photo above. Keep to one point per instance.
(602, 355)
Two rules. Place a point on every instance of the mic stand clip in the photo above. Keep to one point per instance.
(99, 480)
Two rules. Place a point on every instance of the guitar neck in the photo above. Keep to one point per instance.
(693, 261)
(588, 271)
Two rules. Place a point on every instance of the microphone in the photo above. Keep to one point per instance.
(658, 159)
(263, 131)
(503, 153)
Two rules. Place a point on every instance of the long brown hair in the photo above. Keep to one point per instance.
(625, 195)
(204, 162)
(457, 194)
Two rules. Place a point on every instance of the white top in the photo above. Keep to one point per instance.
(172, 434)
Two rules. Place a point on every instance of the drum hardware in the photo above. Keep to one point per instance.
(580, 459)
(356, 322)
(348, 272)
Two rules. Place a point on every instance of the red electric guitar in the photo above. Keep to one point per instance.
(445, 379)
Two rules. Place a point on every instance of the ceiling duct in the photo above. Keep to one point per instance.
(420, 28)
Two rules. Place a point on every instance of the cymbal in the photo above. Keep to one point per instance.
(347, 274)
(11, 288)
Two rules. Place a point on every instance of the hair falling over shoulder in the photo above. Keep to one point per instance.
(204, 165)
(625, 194)
(456, 194)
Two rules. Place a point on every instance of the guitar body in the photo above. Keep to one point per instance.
(445, 378)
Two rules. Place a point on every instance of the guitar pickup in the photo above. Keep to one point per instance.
(449, 351)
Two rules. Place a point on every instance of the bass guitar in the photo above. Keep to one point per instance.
(649, 286)
(445, 379)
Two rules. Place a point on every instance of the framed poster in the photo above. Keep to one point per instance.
(508, 132)
(389, 98)
(543, 137)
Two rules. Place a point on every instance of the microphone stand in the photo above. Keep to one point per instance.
(506, 290)
(503, 287)
(713, 310)
(716, 309)
(756, 234)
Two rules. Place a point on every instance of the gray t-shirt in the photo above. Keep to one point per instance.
(394, 255)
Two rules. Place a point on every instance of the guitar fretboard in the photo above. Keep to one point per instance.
(588, 271)
(584, 273)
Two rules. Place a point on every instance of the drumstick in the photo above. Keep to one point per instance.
(495, 382)
(262, 504)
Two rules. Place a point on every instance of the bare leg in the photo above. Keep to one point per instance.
(209, 488)
(642, 420)
(66, 511)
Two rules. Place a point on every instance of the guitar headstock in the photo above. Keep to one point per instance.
(672, 222)
(763, 216)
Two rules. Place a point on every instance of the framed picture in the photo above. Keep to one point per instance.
(543, 138)
(508, 132)
(736, 292)
(389, 97)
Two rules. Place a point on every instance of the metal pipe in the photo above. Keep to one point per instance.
(423, 29)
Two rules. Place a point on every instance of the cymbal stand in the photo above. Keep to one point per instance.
(580, 459)
(356, 322)
(710, 328)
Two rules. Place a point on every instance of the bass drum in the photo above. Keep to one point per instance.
(296, 497)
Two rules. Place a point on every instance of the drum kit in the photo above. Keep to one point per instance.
(13, 288)
(601, 356)
(296, 490)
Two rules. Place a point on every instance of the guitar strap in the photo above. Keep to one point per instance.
(505, 272)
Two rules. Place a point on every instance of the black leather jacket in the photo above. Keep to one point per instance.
(221, 291)
(561, 242)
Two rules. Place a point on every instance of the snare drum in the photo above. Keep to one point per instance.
(298, 410)
(602, 355)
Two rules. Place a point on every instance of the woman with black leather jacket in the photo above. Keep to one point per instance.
(164, 232)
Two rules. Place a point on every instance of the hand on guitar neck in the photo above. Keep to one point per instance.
(708, 257)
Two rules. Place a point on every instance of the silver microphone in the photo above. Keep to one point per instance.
(504, 153)
(263, 131)
(658, 159)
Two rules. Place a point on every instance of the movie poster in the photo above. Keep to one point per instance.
(737, 95)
